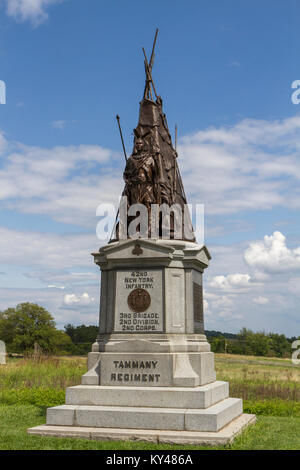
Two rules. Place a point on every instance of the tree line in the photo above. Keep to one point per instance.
(247, 342)
(29, 325)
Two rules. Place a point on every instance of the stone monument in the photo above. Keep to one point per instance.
(151, 373)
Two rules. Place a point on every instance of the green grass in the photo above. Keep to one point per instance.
(46, 372)
(32, 396)
(269, 433)
(260, 379)
(270, 388)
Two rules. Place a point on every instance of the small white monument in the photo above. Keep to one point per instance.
(2, 353)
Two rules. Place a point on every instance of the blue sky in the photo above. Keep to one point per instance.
(224, 70)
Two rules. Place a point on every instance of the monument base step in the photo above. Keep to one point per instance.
(157, 397)
(211, 419)
(225, 436)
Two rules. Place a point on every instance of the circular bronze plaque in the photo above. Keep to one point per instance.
(139, 300)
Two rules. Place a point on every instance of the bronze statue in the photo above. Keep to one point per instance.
(151, 174)
(140, 176)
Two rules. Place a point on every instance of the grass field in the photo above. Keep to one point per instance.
(270, 388)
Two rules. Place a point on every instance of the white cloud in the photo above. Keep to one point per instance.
(261, 300)
(83, 300)
(232, 299)
(60, 278)
(4, 144)
(260, 276)
(231, 282)
(226, 314)
(52, 300)
(234, 63)
(294, 286)
(57, 261)
(55, 287)
(68, 183)
(253, 164)
(209, 295)
(59, 124)
(47, 250)
(272, 255)
(34, 11)
(65, 183)
(222, 306)
(223, 301)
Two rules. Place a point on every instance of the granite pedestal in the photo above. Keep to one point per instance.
(150, 373)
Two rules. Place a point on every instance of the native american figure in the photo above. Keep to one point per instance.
(151, 175)
(140, 176)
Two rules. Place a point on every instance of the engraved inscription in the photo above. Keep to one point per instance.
(139, 303)
(139, 300)
(198, 302)
(135, 371)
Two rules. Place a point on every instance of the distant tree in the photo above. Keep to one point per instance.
(248, 342)
(62, 343)
(236, 346)
(217, 334)
(258, 343)
(280, 345)
(218, 344)
(82, 337)
(27, 324)
(82, 333)
(244, 333)
(70, 331)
